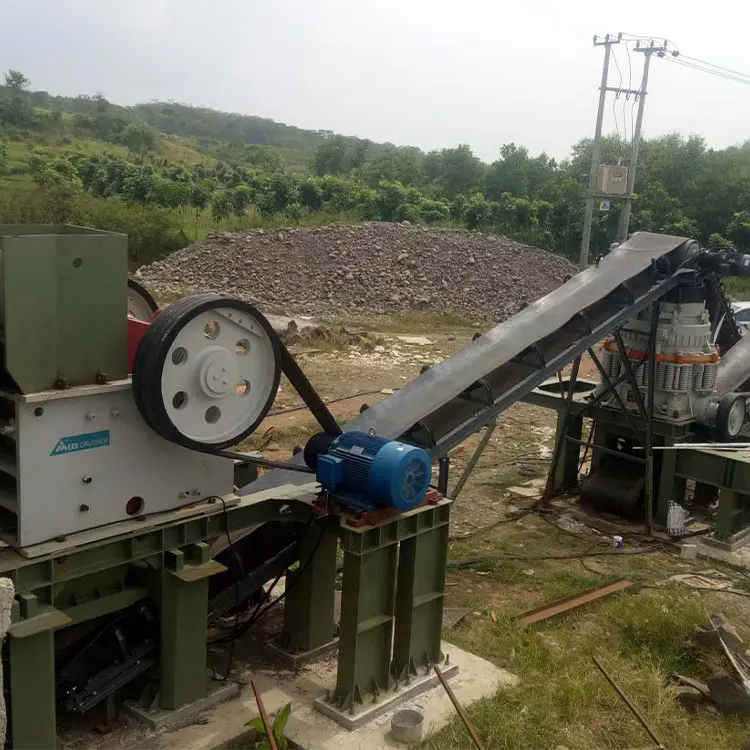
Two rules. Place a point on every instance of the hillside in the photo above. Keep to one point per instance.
(198, 130)
(168, 174)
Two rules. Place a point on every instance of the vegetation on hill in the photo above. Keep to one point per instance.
(168, 173)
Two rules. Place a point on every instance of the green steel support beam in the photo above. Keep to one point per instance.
(183, 613)
(601, 435)
(566, 473)
(483, 443)
(366, 630)
(33, 719)
(309, 605)
(670, 488)
(419, 602)
(732, 509)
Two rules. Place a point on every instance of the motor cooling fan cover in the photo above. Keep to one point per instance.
(206, 372)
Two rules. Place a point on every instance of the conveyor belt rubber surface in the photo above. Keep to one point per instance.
(457, 396)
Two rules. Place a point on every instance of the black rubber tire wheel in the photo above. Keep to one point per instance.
(151, 355)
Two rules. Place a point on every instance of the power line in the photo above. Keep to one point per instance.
(710, 71)
(635, 96)
(614, 100)
(713, 65)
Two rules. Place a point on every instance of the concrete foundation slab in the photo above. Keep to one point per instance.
(734, 543)
(296, 660)
(476, 679)
(365, 714)
(160, 718)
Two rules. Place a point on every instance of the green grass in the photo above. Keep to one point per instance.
(660, 631)
(642, 638)
(738, 288)
(563, 700)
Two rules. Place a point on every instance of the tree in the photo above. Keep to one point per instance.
(738, 230)
(19, 113)
(310, 194)
(200, 194)
(50, 170)
(477, 211)
(241, 197)
(517, 173)
(719, 242)
(402, 165)
(390, 200)
(139, 138)
(221, 207)
(16, 81)
(331, 157)
(453, 170)
(3, 157)
(433, 212)
(658, 211)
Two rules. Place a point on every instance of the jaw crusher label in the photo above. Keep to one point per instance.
(84, 442)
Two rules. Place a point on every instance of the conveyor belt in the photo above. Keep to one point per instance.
(459, 395)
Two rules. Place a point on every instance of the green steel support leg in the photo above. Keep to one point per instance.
(32, 688)
(184, 610)
(668, 487)
(366, 629)
(473, 461)
(601, 435)
(566, 473)
(730, 508)
(419, 602)
(309, 605)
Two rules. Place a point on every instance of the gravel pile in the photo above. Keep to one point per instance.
(375, 268)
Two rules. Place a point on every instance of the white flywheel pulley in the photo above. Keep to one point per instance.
(207, 371)
(731, 416)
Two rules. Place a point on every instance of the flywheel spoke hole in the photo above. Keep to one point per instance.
(242, 348)
(213, 414)
(179, 400)
(242, 388)
(211, 330)
(179, 356)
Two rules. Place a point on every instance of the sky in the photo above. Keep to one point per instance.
(427, 73)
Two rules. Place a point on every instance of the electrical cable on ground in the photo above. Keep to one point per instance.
(474, 561)
(493, 525)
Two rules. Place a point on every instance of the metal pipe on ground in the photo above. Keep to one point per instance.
(459, 710)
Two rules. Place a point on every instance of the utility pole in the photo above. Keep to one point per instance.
(622, 229)
(607, 43)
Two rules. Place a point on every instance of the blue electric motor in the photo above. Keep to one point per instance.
(367, 472)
